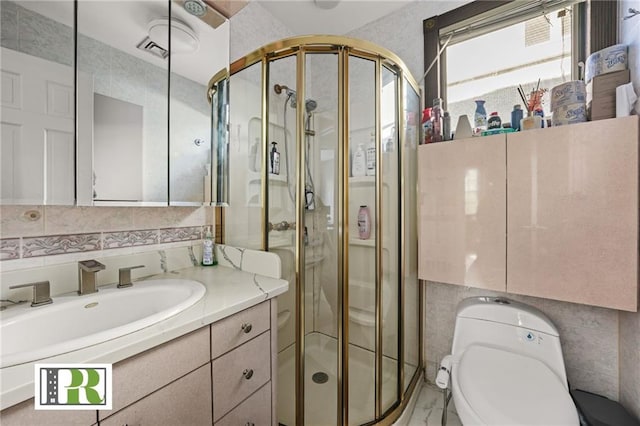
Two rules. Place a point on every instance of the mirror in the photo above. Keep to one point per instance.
(143, 134)
(200, 47)
(143, 117)
(37, 129)
(123, 113)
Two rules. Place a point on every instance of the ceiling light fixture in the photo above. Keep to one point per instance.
(183, 38)
(326, 4)
(195, 7)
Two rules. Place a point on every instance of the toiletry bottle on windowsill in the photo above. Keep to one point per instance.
(436, 117)
(530, 122)
(479, 118)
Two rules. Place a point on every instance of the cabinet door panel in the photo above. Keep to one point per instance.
(187, 401)
(573, 213)
(255, 410)
(462, 212)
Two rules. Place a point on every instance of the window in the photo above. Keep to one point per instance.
(523, 53)
(489, 47)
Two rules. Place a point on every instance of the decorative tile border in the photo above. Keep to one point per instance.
(60, 244)
(129, 239)
(9, 248)
(50, 245)
(172, 235)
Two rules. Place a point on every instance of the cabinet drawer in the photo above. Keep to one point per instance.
(239, 328)
(254, 411)
(239, 373)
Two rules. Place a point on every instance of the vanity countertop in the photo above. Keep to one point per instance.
(228, 290)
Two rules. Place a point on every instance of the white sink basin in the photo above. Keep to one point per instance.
(74, 322)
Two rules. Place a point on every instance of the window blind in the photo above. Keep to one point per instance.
(500, 17)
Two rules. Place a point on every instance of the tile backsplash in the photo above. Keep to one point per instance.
(49, 234)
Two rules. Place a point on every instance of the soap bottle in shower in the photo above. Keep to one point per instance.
(371, 157)
(364, 223)
(359, 162)
(275, 159)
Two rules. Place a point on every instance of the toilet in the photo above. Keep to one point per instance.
(506, 366)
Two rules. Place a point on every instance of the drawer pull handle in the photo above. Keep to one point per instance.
(250, 424)
(248, 373)
(247, 328)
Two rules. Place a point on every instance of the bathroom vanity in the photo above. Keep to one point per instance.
(210, 364)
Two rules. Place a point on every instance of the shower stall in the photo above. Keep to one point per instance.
(288, 120)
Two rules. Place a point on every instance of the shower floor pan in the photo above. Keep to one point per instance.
(320, 398)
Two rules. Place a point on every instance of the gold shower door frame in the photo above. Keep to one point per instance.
(345, 48)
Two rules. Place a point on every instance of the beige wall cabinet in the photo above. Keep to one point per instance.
(572, 213)
(570, 221)
(463, 212)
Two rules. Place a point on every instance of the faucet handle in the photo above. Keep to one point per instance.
(124, 276)
(41, 292)
(91, 265)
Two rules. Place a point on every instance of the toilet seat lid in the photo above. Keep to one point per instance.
(506, 388)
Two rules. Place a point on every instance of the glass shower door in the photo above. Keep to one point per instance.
(362, 240)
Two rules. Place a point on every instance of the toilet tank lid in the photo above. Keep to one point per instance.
(506, 311)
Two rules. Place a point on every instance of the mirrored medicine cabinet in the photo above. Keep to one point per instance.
(99, 113)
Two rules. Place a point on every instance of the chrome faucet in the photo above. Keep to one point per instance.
(124, 276)
(41, 292)
(87, 270)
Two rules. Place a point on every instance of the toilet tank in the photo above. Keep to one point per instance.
(506, 311)
(509, 325)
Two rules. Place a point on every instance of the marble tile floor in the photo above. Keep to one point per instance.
(428, 409)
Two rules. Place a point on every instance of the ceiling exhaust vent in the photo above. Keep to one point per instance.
(152, 47)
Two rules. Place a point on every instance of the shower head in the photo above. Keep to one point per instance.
(310, 105)
(292, 97)
(278, 88)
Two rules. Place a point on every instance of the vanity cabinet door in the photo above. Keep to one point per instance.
(254, 411)
(462, 212)
(572, 221)
(24, 413)
(187, 401)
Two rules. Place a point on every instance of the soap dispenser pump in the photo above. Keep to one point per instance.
(208, 249)
(275, 159)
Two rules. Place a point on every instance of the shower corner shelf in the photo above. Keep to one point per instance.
(257, 177)
(362, 180)
(366, 243)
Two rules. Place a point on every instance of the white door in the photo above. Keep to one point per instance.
(37, 145)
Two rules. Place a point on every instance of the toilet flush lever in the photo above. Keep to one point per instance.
(444, 373)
